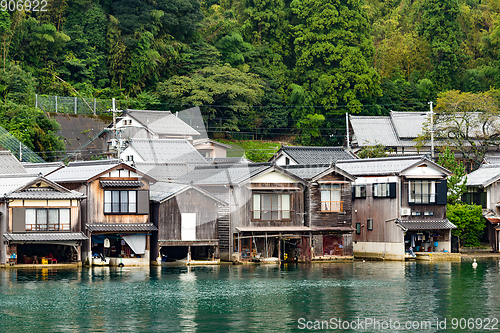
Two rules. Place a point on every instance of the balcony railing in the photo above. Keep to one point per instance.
(423, 198)
(332, 206)
(271, 215)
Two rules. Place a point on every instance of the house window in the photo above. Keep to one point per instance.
(422, 191)
(475, 196)
(130, 158)
(384, 190)
(47, 219)
(269, 207)
(358, 228)
(120, 202)
(369, 224)
(359, 191)
(330, 198)
(287, 161)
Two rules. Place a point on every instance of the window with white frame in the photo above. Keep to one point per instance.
(422, 191)
(359, 191)
(271, 207)
(120, 202)
(330, 198)
(47, 219)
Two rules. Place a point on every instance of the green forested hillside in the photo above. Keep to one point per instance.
(266, 67)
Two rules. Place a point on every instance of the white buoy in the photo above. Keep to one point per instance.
(474, 264)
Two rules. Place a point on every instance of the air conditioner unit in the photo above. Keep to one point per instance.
(405, 211)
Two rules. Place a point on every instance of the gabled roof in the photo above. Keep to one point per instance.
(198, 142)
(23, 187)
(228, 160)
(314, 155)
(237, 174)
(486, 175)
(306, 172)
(9, 164)
(408, 125)
(385, 165)
(164, 171)
(43, 168)
(162, 191)
(396, 130)
(87, 171)
(161, 122)
(167, 150)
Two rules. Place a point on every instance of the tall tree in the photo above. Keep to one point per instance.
(458, 179)
(333, 49)
(438, 24)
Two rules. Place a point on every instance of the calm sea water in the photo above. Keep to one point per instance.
(250, 298)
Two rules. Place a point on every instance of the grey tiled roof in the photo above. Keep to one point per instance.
(223, 174)
(426, 225)
(43, 168)
(122, 227)
(491, 159)
(205, 141)
(370, 131)
(9, 164)
(378, 166)
(306, 171)
(162, 122)
(82, 171)
(484, 176)
(121, 183)
(164, 171)
(227, 160)
(162, 190)
(316, 155)
(408, 125)
(45, 194)
(45, 237)
(167, 150)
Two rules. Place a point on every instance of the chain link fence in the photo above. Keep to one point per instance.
(75, 105)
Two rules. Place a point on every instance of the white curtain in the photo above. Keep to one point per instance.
(136, 242)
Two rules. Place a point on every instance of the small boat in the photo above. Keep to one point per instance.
(269, 260)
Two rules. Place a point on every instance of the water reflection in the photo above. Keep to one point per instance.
(243, 298)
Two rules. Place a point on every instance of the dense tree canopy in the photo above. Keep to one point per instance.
(294, 66)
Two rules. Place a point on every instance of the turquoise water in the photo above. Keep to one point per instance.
(250, 298)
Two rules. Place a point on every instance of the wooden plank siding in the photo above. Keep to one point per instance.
(379, 210)
(330, 219)
(95, 200)
(191, 201)
(296, 192)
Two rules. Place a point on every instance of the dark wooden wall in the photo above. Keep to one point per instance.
(190, 201)
(330, 219)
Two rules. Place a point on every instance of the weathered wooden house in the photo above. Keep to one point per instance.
(40, 221)
(115, 213)
(483, 189)
(187, 219)
(398, 203)
(265, 215)
(328, 208)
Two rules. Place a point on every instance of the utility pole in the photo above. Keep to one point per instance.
(347, 130)
(116, 132)
(432, 131)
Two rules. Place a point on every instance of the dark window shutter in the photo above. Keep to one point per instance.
(18, 220)
(143, 202)
(353, 192)
(392, 190)
(441, 192)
